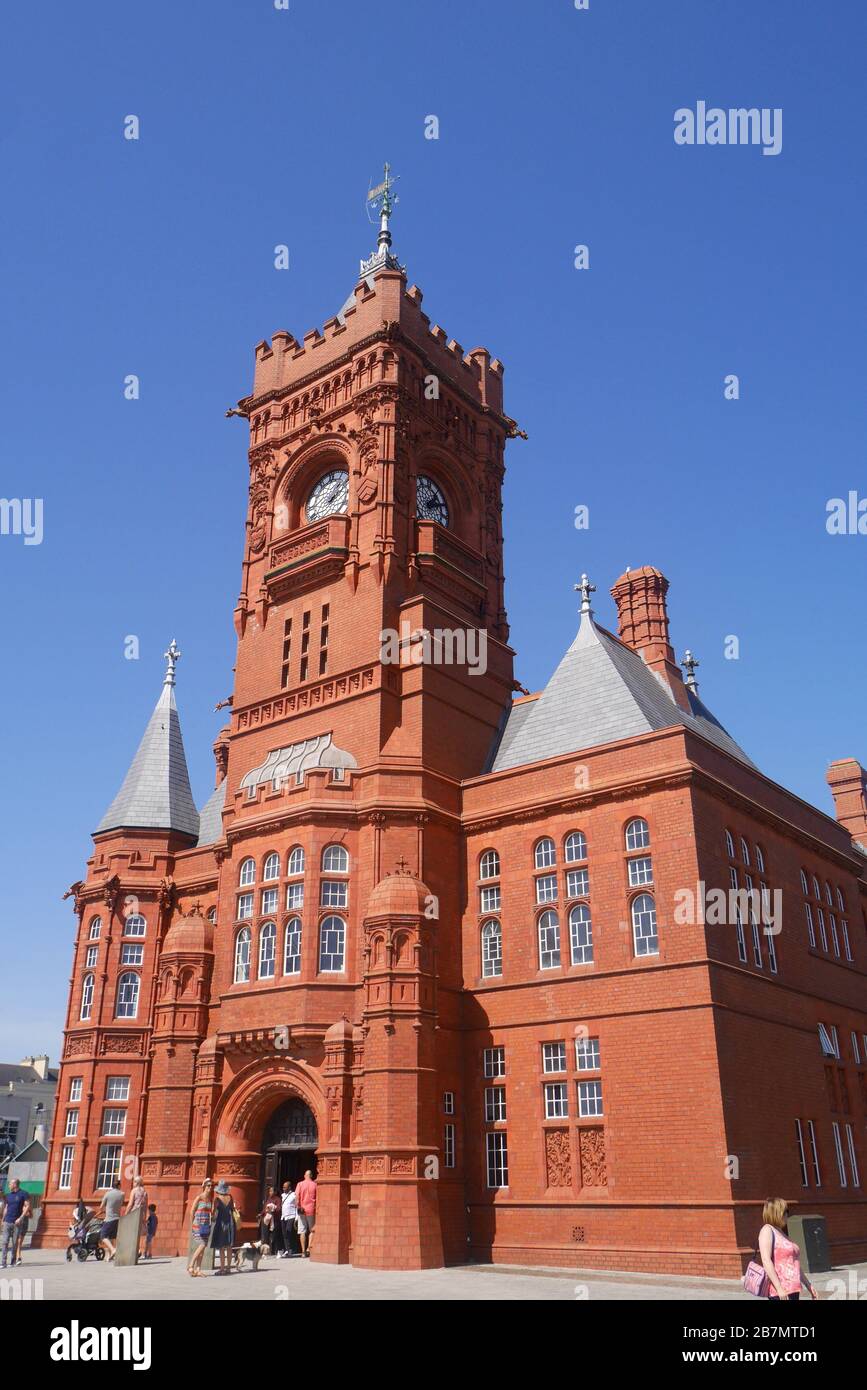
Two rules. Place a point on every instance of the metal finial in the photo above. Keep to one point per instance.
(171, 656)
(381, 200)
(689, 664)
(585, 589)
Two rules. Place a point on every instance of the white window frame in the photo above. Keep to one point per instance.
(588, 1055)
(76, 1084)
(640, 871)
(109, 1162)
(332, 929)
(71, 1130)
(637, 834)
(553, 1058)
(67, 1157)
(639, 935)
(492, 949)
(548, 936)
(292, 935)
(267, 951)
(853, 1157)
(489, 898)
(580, 922)
(556, 1100)
(134, 925)
(570, 850)
(448, 1146)
(826, 1042)
(241, 972)
(270, 902)
(494, 1062)
(590, 1100)
(838, 1150)
(546, 889)
(88, 986)
(802, 1156)
(489, 864)
(113, 1123)
(497, 1160)
(128, 995)
(295, 896)
(448, 1102)
(335, 859)
(247, 873)
(495, 1105)
(811, 930)
(117, 1089)
(271, 867)
(545, 853)
(95, 929)
(295, 862)
(132, 953)
(244, 911)
(814, 1153)
(334, 893)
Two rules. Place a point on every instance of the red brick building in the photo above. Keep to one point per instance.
(459, 952)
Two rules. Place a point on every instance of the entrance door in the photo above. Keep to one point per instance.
(288, 1145)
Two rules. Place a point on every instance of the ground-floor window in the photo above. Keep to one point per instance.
(108, 1164)
(65, 1180)
(498, 1159)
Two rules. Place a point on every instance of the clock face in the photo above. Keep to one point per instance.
(430, 505)
(330, 496)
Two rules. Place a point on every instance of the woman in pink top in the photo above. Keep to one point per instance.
(781, 1257)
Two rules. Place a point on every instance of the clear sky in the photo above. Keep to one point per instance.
(261, 126)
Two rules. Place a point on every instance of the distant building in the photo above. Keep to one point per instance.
(27, 1091)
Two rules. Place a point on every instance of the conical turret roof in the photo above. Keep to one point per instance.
(156, 793)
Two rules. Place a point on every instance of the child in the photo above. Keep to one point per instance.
(150, 1229)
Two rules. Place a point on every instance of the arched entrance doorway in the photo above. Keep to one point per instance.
(288, 1144)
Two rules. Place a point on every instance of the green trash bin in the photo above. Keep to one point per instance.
(809, 1233)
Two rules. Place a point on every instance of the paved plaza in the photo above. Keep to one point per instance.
(280, 1280)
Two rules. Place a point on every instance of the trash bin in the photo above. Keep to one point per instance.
(809, 1232)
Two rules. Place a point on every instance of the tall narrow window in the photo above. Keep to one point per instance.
(802, 1157)
(489, 864)
(305, 645)
(811, 930)
(242, 956)
(95, 928)
(323, 641)
(844, 928)
(492, 949)
(545, 855)
(823, 935)
(292, 953)
(581, 935)
(549, 941)
(127, 995)
(498, 1158)
(267, 951)
(575, 847)
(287, 653)
(730, 845)
(295, 866)
(449, 1145)
(247, 873)
(65, 1180)
(853, 1158)
(332, 945)
(644, 931)
(838, 1150)
(814, 1153)
(271, 868)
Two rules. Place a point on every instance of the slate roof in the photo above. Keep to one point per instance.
(211, 816)
(601, 692)
(29, 1076)
(156, 790)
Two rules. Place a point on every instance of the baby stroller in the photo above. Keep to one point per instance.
(85, 1239)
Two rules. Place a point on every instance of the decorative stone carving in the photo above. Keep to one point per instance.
(403, 1165)
(78, 1045)
(122, 1042)
(376, 1163)
(357, 1166)
(591, 1147)
(558, 1158)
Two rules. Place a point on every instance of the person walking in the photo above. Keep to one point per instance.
(201, 1221)
(138, 1201)
(781, 1257)
(150, 1230)
(305, 1194)
(111, 1207)
(16, 1213)
(223, 1237)
(289, 1219)
(269, 1216)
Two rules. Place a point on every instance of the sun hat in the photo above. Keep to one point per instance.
(222, 1185)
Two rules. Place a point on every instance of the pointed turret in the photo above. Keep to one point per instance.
(156, 794)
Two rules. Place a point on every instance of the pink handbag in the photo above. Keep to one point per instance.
(755, 1280)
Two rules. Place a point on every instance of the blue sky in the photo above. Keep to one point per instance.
(261, 127)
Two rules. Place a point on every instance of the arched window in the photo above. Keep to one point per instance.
(296, 862)
(242, 956)
(332, 943)
(489, 864)
(545, 854)
(581, 935)
(292, 947)
(95, 928)
(271, 868)
(335, 860)
(86, 998)
(760, 859)
(267, 951)
(575, 847)
(840, 903)
(745, 851)
(247, 873)
(492, 949)
(644, 933)
(829, 896)
(817, 892)
(637, 834)
(134, 925)
(730, 845)
(804, 884)
(212, 915)
(549, 941)
(127, 995)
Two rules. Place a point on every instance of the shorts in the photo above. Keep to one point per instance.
(305, 1222)
(108, 1230)
(23, 1226)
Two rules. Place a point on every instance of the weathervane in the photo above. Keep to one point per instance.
(171, 657)
(381, 202)
(585, 589)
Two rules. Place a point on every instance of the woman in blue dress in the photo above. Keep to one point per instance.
(223, 1234)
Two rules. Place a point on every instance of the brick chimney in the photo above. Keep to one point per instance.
(848, 782)
(643, 625)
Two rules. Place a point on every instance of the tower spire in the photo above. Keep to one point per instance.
(172, 656)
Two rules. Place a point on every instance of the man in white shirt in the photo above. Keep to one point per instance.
(288, 1214)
